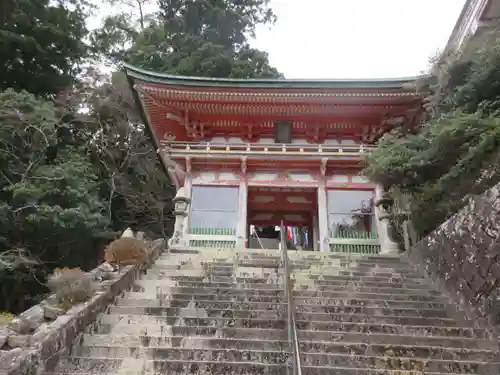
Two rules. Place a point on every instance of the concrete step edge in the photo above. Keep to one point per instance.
(297, 311)
(278, 352)
(311, 342)
(332, 370)
(306, 331)
(298, 321)
(270, 290)
(296, 304)
(340, 294)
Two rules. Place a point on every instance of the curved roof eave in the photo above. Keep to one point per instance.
(269, 83)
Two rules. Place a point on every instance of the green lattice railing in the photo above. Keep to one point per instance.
(213, 243)
(213, 231)
(354, 248)
(355, 235)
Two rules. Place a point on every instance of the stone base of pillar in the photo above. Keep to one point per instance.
(177, 243)
(388, 247)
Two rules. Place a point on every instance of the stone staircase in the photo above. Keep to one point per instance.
(225, 312)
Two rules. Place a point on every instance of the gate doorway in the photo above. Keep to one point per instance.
(269, 206)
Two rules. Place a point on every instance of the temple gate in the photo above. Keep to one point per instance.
(252, 153)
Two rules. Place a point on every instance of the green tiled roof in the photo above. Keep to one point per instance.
(304, 84)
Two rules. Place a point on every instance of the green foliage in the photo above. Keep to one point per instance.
(42, 44)
(456, 153)
(78, 166)
(481, 87)
(48, 189)
(194, 38)
(133, 183)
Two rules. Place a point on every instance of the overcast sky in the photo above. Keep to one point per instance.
(356, 38)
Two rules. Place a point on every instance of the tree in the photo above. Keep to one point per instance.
(196, 38)
(49, 198)
(456, 152)
(137, 190)
(42, 44)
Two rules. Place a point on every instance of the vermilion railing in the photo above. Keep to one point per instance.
(195, 147)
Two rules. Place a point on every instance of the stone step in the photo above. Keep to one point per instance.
(323, 257)
(306, 348)
(206, 367)
(307, 306)
(380, 319)
(366, 281)
(318, 300)
(219, 259)
(320, 279)
(278, 313)
(203, 337)
(332, 297)
(157, 324)
(143, 322)
(359, 310)
(152, 284)
(272, 265)
(364, 273)
(354, 265)
(181, 275)
(229, 271)
(394, 362)
(235, 358)
(371, 327)
(231, 264)
(292, 255)
(224, 266)
(319, 312)
(242, 284)
(119, 346)
(358, 291)
(299, 293)
(276, 291)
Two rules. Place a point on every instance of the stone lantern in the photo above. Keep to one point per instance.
(181, 211)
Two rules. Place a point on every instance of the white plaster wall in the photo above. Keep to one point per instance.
(218, 140)
(270, 140)
(203, 177)
(211, 177)
(343, 142)
(264, 141)
(263, 176)
(235, 140)
(360, 180)
(339, 179)
(302, 177)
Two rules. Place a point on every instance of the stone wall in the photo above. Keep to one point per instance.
(34, 340)
(462, 257)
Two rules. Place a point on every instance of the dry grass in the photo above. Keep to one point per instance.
(71, 286)
(5, 318)
(126, 251)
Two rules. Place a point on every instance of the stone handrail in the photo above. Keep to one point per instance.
(291, 327)
(253, 148)
(38, 337)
